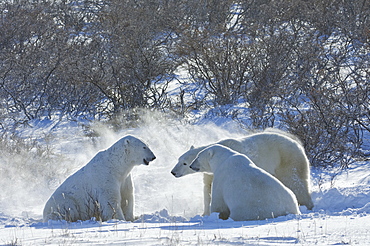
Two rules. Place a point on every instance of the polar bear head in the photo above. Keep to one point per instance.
(208, 157)
(183, 164)
(135, 151)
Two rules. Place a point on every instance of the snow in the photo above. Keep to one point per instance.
(306, 229)
(169, 209)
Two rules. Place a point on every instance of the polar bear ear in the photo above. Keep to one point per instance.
(192, 147)
(210, 152)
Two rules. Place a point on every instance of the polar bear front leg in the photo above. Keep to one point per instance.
(111, 206)
(127, 199)
(207, 181)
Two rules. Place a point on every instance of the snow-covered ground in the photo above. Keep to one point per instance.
(169, 209)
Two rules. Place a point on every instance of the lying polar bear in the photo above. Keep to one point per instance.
(241, 190)
(103, 188)
(274, 151)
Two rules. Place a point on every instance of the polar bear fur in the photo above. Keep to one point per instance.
(103, 188)
(275, 151)
(240, 189)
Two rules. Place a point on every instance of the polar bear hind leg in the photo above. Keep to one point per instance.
(298, 183)
(294, 171)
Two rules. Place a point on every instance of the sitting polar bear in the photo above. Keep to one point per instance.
(272, 150)
(103, 188)
(241, 190)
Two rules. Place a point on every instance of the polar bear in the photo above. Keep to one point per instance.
(240, 189)
(275, 151)
(103, 188)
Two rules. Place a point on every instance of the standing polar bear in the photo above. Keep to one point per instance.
(241, 190)
(272, 150)
(103, 188)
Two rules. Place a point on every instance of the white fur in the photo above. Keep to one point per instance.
(103, 188)
(275, 151)
(241, 190)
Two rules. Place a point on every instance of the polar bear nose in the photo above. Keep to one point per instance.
(147, 160)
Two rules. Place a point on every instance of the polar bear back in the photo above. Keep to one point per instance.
(270, 150)
(258, 148)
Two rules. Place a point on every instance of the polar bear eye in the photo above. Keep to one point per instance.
(185, 164)
(144, 147)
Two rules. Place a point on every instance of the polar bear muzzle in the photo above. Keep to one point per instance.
(197, 169)
(146, 162)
